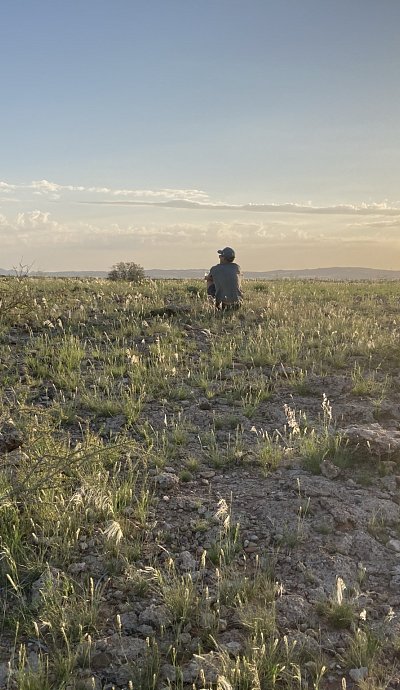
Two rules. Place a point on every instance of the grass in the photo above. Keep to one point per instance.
(338, 609)
(104, 391)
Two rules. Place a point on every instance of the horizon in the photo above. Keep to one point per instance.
(158, 134)
(30, 271)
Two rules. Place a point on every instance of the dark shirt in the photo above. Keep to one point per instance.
(226, 278)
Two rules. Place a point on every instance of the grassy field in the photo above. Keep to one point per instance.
(140, 433)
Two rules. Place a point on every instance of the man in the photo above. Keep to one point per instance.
(224, 281)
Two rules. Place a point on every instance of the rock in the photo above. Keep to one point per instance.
(389, 483)
(186, 562)
(114, 425)
(4, 674)
(100, 660)
(146, 630)
(205, 665)
(232, 642)
(129, 621)
(168, 672)
(344, 544)
(367, 550)
(207, 474)
(185, 638)
(167, 480)
(85, 680)
(395, 583)
(10, 437)
(187, 503)
(33, 660)
(329, 470)
(358, 674)
(77, 568)
(232, 648)
(394, 545)
(305, 645)
(373, 439)
(49, 580)
(123, 647)
(293, 609)
(205, 404)
(16, 457)
(157, 616)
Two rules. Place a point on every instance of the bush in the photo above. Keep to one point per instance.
(127, 270)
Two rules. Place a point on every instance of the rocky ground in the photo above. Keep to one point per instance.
(234, 548)
(306, 530)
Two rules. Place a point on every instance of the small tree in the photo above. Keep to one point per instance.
(127, 270)
(16, 300)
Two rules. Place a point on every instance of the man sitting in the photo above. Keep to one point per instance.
(224, 281)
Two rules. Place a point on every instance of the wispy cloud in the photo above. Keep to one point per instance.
(292, 208)
(186, 198)
(55, 191)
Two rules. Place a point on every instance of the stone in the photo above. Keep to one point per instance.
(394, 545)
(49, 579)
(146, 630)
(167, 480)
(10, 437)
(4, 674)
(129, 621)
(156, 616)
(232, 648)
(100, 660)
(358, 674)
(329, 470)
(373, 439)
(113, 425)
(186, 562)
(124, 647)
(205, 666)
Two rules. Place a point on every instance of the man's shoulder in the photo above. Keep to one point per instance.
(225, 268)
(235, 268)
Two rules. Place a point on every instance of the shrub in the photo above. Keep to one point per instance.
(127, 270)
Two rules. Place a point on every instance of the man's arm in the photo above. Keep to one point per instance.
(208, 277)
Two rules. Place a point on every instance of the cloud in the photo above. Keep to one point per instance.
(287, 241)
(33, 219)
(55, 191)
(379, 224)
(6, 188)
(187, 198)
(289, 208)
(39, 228)
(45, 186)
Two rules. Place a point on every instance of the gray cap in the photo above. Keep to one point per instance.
(227, 253)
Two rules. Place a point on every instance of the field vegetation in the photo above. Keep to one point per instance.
(181, 502)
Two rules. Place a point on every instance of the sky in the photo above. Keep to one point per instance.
(160, 131)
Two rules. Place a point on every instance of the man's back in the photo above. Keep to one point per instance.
(226, 277)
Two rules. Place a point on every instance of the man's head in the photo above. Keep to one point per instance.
(227, 254)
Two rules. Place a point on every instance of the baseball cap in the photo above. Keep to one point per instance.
(227, 253)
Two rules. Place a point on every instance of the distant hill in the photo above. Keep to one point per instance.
(59, 274)
(334, 273)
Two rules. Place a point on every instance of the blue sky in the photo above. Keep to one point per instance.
(190, 106)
